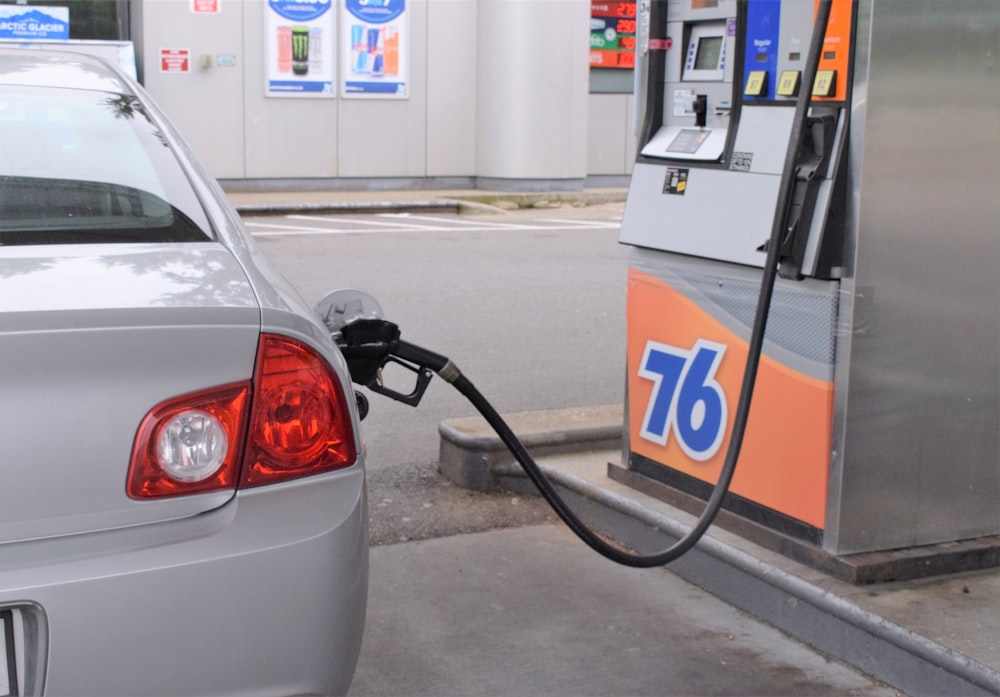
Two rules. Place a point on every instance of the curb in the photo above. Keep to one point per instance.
(475, 202)
(443, 206)
(472, 454)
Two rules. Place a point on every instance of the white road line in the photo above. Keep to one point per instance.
(280, 230)
(366, 221)
(582, 223)
(454, 221)
(478, 226)
(535, 224)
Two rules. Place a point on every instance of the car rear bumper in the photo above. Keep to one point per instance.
(263, 596)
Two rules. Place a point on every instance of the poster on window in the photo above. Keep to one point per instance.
(299, 50)
(30, 23)
(375, 42)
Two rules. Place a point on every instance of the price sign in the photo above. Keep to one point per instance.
(625, 26)
(612, 59)
(612, 35)
(612, 9)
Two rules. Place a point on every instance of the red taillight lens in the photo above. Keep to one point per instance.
(190, 444)
(300, 423)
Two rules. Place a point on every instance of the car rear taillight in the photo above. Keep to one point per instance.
(190, 444)
(295, 424)
(300, 424)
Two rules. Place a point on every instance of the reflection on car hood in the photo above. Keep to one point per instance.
(91, 338)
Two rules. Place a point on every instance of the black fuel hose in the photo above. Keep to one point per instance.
(450, 372)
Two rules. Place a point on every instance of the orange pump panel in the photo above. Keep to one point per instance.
(784, 462)
(837, 47)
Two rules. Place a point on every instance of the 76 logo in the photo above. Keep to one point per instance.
(686, 401)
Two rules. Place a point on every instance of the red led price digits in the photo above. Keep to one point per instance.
(625, 26)
(612, 59)
(612, 9)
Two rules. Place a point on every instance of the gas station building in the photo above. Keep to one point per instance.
(493, 94)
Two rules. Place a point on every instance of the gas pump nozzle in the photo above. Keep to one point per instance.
(368, 345)
(812, 158)
(700, 107)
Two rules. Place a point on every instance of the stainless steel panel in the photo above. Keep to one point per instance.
(917, 451)
(721, 215)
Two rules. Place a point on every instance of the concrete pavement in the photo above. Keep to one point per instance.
(531, 611)
(938, 635)
(931, 636)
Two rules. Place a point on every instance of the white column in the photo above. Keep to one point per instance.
(532, 91)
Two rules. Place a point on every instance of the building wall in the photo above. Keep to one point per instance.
(611, 134)
(206, 104)
(498, 92)
(451, 87)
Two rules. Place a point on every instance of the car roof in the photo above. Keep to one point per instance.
(58, 69)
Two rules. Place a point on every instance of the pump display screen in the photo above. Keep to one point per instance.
(708, 54)
(705, 57)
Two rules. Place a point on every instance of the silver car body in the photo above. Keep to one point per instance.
(249, 591)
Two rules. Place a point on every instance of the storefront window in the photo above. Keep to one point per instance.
(106, 20)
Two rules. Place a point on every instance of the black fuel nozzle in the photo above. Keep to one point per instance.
(700, 107)
(368, 345)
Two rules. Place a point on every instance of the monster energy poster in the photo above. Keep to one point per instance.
(299, 48)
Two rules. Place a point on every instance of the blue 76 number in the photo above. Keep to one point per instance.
(686, 398)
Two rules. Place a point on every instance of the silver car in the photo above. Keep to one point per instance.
(182, 497)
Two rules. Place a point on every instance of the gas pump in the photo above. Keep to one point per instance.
(812, 481)
(703, 200)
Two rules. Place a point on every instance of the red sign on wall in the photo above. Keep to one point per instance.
(175, 60)
(205, 6)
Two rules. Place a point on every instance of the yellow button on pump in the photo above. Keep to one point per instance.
(756, 84)
(788, 85)
(825, 84)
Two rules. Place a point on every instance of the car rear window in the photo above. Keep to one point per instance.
(79, 166)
